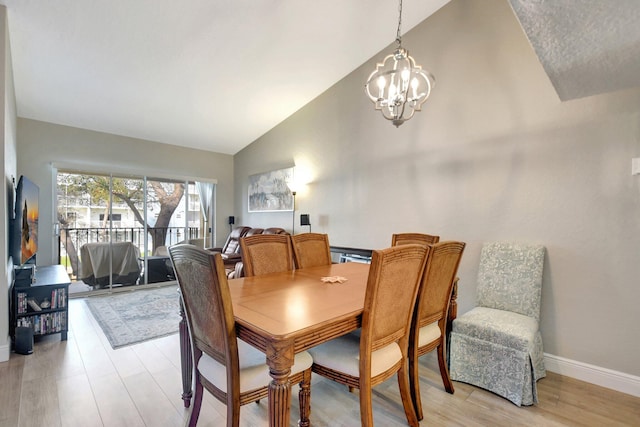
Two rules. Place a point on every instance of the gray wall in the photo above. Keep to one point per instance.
(43, 144)
(494, 155)
(8, 162)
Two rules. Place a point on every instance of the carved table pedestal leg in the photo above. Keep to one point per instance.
(280, 359)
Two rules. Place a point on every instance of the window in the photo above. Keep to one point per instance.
(148, 213)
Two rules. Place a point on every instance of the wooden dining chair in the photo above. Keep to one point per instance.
(234, 372)
(311, 250)
(380, 349)
(266, 253)
(413, 238)
(429, 325)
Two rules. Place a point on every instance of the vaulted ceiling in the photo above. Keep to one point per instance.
(209, 74)
(216, 75)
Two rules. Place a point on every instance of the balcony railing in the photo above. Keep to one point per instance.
(71, 240)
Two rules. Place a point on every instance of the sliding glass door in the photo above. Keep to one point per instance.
(115, 230)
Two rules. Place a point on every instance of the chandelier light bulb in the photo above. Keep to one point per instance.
(405, 77)
(382, 82)
(414, 87)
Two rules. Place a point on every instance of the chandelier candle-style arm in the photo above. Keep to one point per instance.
(398, 87)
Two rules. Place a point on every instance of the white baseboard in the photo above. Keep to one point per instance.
(604, 377)
(5, 351)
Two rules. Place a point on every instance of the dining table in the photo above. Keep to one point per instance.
(282, 314)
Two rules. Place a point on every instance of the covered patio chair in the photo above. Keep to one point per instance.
(103, 262)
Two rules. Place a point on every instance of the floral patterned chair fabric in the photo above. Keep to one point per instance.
(497, 345)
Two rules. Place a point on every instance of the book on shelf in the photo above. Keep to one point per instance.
(33, 304)
(21, 304)
(47, 323)
(58, 298)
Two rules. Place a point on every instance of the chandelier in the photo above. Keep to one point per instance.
(398, 87)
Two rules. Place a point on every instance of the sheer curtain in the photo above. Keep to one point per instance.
(205, 191)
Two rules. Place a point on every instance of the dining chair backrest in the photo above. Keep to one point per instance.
(413, 238)
(311, 250)
(207, 301)
(435, 290)
(431, 316)
(266, 253)
(392, 288)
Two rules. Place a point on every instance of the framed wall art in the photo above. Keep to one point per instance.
(268, 192)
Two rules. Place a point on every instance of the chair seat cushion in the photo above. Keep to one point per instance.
(506, 328)
(342, 354)
(254, 372)
(428, 334)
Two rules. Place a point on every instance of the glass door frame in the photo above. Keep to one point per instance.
(203, 230)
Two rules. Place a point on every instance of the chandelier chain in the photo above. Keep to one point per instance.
(398, 36)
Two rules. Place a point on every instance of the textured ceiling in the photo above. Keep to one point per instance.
(209, 74)
(586, 47)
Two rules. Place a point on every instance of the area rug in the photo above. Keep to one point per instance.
(133, 317)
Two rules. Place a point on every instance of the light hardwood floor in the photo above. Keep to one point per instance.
(84, 382)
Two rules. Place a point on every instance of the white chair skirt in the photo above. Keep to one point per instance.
(509, 364)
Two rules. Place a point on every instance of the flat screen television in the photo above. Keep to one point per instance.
(24, 229)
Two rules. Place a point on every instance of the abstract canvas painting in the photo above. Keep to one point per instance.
(268, 192)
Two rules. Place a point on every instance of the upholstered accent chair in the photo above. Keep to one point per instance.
(266, 253)
(413, 238)
(365, 359)
(429, 325)
(497, 345)
(311, 250)
(234, 372)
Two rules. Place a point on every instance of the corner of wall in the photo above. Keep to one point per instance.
(8, 163)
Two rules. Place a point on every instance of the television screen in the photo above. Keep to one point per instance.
(25, 225)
